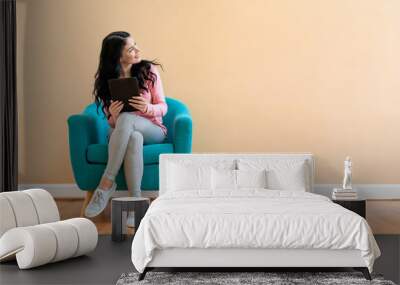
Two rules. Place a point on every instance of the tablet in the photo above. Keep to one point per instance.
(122, 89)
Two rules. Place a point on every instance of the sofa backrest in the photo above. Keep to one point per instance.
(26, 208)
(211, 159)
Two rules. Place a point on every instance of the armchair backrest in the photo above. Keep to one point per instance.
(101, 121)
(174, 106)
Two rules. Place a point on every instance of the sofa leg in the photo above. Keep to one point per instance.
(88, 196)
(365, 272)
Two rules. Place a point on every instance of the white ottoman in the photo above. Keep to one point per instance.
(31, 232)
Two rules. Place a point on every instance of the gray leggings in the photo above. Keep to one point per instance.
(126, 145)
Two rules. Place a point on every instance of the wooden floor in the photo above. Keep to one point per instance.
(71, 207)
(382, 215)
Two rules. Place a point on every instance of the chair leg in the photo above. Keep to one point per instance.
(365, 272)
(88, 196)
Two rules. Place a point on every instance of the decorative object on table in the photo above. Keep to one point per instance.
(340, 194)
(120, 208)
(346, 192)
(88, 145)
(31, 231)
(347, 179)
(248, 278)
(358, 206)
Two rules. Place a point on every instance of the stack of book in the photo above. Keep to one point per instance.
(344, 194)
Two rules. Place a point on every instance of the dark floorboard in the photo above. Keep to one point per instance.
(102, 266)
(111, 259)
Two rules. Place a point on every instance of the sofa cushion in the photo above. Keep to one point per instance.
(98, 153)
(51, 242)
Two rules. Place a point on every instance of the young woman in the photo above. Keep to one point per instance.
(120, 57)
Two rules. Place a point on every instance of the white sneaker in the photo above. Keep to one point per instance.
(130, 221)
(99, 201)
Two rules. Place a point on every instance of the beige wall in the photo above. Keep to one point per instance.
(259, 76)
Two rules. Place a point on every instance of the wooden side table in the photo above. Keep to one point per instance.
(357, 206)
(119, 210)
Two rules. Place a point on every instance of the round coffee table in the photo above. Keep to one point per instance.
(120, 207)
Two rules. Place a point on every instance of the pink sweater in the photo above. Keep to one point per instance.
(157, 106)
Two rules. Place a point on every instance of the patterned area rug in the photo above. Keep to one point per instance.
(229, 278)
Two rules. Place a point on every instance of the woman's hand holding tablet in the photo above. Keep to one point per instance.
(138, 103)
(115, 108)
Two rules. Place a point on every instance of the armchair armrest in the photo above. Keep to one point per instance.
(83, 131)
(182, 132)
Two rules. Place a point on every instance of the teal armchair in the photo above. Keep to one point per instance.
(88, 146)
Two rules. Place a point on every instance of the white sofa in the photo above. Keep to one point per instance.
(31, 231)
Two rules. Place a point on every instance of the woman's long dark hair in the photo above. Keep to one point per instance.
(109, 68)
